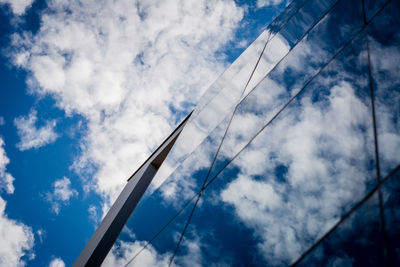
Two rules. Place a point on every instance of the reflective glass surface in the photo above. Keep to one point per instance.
(290, 34)
(391, 204)
(357, 241)
(384, 43)
(289, 77)
(298, 177)
(372, 7)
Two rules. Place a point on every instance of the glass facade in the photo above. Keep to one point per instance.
(292, 155)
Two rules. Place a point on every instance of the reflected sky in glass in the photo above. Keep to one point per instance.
(296, 179)
(384, 42)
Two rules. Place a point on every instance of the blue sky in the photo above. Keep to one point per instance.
(88, 90)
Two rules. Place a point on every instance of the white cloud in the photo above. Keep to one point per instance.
(57, 262)
(6, 179)
(2, 121)
(18, 6)
(267, 3)
(190, 254)
(94, 214)
(30, 135)
(127, 250)
(124, 65)
(16, 239)
(62, 193)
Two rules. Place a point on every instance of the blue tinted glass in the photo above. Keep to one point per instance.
(372, 7)
(391, 198)
(298, 177)
(290, 75)
(357, 241)
(384, 43)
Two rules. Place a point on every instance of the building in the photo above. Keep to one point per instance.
(290, 158)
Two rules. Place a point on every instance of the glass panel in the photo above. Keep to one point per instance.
(391, 204)
(357, 241)
(132, 248)
(288, 36)
(384, 42)
(373, 6)
(298, 177)
(290, 75)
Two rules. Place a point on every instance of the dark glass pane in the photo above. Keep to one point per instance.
(391, 199)
(357, 241)
(132, 249)
(298, 177)
(384, 42)
(372, 7)
(290, 75)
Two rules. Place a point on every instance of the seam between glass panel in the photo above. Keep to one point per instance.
(376, 143)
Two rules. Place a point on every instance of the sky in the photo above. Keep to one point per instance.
(88, 89)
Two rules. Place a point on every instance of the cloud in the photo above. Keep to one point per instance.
(2, 121)
(119, 256)
(94, 214)
(189, 255)
(16, 239)
(62, 193)
(32, 136)
(6, 179)
(267, 3)
(131, 68)
(57, 262)
(18, 6)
